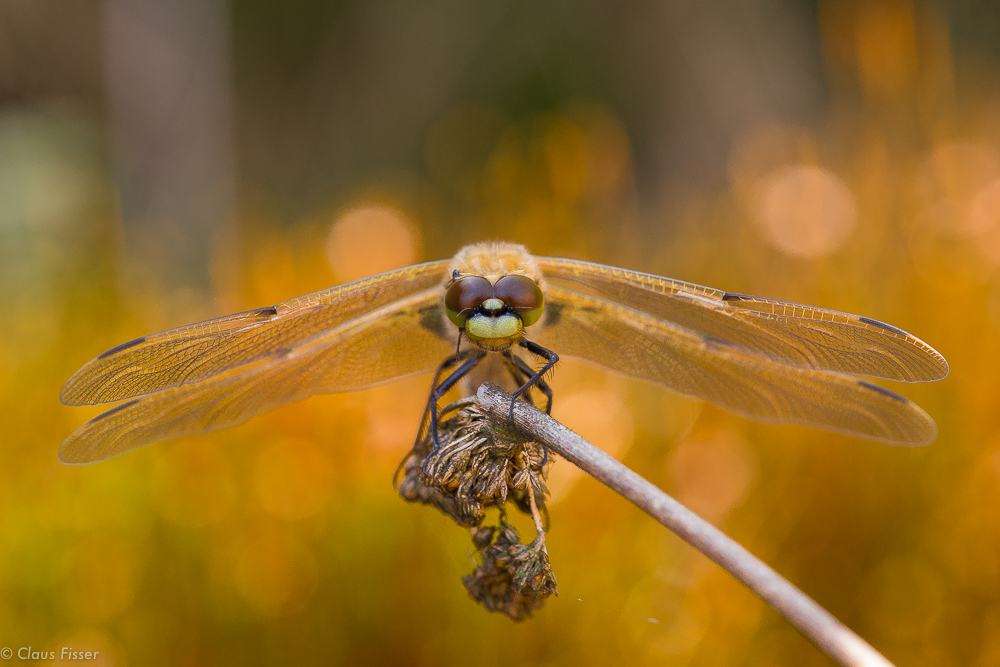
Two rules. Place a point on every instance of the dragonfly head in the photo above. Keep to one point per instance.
(493, 311)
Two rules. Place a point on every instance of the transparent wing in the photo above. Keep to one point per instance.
(393, 341)
(787, 333)
(646, 346)
(196, 352)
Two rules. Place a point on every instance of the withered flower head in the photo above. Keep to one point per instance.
(482, 464)
(479, 465)
(514, 578)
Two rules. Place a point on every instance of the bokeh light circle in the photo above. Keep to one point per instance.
(370, 239)
(984, 218)
(713, 472)
(804, 211)
(293, 479)
(599, 415)
(275, 574)
(951, 189)
(193, 485)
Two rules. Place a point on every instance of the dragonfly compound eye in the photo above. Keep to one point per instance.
(522, 295)
(464, 296)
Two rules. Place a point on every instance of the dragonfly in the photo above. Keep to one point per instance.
(475, 317)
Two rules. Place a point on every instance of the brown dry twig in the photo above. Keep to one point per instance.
(818, 625)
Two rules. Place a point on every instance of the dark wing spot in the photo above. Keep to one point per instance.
(884, 391)
(117, 408)
(432, 320)
(267, 312)
(553, 313)
(124, 346)
(883, 325)
(733, 296)
(716, 341)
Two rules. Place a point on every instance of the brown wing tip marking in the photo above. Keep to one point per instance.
(709, 340)
(117, 408)
(270, 311)
(733, 296)
(124, 346)
(883, 391)
(883, 325)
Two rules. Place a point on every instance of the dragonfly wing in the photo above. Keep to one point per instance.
(196, 352)
(404, 338)
(640, 345)
(787, 333)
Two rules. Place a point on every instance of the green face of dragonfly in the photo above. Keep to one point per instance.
(494, 313)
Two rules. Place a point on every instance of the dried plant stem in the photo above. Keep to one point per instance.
(818, 625)
(536, 516)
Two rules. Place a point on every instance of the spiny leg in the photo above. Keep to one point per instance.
(550, 360)
(441, 389)
(537, 379)
(517, 373)
(445, 365)
(422, 431)
(524, 374)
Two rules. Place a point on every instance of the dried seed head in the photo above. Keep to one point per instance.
(482, 464)
(514, 578)
(478, 465)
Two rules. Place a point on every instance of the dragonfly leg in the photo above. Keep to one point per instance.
(524, 374)
(445, 365)
(430, 407)
(537, 378)
(469, 359)
(518, 372)
(550, 360)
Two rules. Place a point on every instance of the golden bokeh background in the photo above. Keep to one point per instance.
(162, 163)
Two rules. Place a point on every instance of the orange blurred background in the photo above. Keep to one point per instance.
(162, 163)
